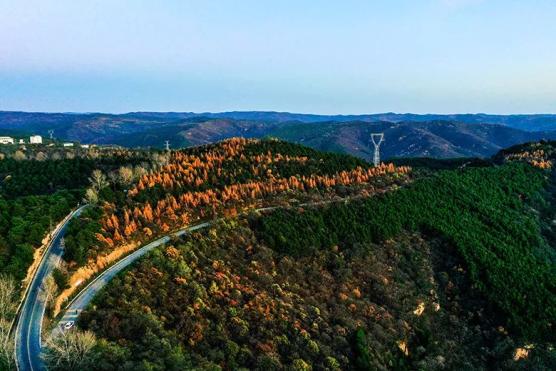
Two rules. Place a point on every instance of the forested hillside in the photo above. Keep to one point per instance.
(499, 242)
(24, 222)
(314, 260)
(208, 182)
(452, 271)
(37, 194)
(223, 179)
(39, 186)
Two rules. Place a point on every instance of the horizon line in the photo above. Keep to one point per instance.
(200, 113)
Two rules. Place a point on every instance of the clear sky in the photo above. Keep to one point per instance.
(319, 56)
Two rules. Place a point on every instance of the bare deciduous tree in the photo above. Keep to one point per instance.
(19, 156)
(98, 180)
(91, 196)
(41, 156)
(126, 175)
(7, 361)
(8, 306)
(93, 153)
(69, 350)
(7, 296)
(113, 177)
(56, 156)
(161, 159)
(140, 170)
(49, 289)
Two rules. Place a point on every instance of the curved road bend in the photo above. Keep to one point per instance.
(28, 330)
(80, 302)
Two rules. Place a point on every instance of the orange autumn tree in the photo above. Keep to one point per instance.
(233, 175)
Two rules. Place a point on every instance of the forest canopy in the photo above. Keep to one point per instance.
(432, 275)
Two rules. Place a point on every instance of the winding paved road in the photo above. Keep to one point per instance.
(28, 330)
(29, 326)
(80, 302)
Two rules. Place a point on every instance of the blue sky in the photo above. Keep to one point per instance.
(319, 56)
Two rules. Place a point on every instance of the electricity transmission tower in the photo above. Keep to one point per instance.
(167, 144)
(51, 133)
(377, 139)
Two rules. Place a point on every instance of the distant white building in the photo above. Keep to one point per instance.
(85, 146)
(6, 140)
(68, 144)
(35, 139)
(21, 141)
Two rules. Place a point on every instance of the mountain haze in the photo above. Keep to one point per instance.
(406, 134)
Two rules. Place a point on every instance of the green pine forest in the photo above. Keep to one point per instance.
(472, 244)
(453, 268)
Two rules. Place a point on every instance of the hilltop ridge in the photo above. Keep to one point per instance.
(408, 135)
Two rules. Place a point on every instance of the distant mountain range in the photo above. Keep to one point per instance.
(406, 134)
